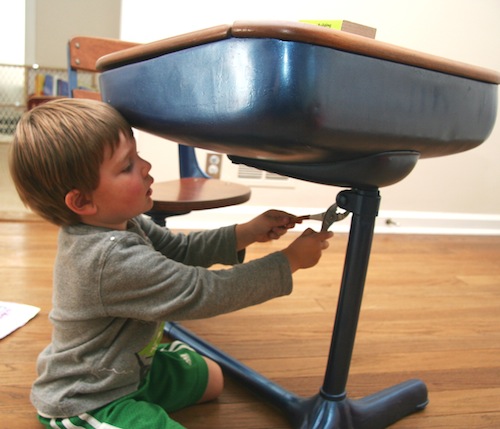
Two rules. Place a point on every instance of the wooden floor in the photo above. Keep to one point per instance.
(431, 310)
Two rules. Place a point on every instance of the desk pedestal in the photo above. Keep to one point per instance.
(331, 408)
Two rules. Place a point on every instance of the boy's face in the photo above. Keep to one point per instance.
(124, 189)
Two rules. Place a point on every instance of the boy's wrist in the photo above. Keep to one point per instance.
(243, 236)
(292, 260)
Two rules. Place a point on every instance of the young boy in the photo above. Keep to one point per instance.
(118, 276)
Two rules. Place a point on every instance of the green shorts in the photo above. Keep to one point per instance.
(178, 378)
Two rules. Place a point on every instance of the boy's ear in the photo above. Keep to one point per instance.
(80, 203)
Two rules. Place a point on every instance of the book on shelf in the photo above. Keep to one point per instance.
(62, 88)
(48, 85)
(39, 82)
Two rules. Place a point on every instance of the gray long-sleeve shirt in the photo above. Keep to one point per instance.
(112, 291)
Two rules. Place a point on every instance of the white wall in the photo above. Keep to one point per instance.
(12, 31)
(54, 22)
(463, 30)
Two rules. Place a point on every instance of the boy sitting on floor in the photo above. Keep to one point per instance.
(118, 276)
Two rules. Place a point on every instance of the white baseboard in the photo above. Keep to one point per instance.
(398, 222)
(438, 223)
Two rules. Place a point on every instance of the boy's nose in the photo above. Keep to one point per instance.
(146, 167)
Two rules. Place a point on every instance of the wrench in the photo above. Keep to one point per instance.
(328, 217)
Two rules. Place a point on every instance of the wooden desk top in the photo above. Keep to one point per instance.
(299, 32)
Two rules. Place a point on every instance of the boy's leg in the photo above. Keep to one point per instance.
(215, 381)
(179, 377)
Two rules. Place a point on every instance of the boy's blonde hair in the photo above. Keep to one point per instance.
(59, 146)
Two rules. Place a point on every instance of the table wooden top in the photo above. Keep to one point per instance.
(299, 32)
(193, 193)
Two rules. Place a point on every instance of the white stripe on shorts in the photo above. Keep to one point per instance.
(92, 421)
(69, 425)
(178, 345)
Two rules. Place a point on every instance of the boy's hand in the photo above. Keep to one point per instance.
(270, 225)
(305, 251)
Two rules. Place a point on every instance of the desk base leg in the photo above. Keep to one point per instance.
(376, 411)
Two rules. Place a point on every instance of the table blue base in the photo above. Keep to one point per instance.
(331, 408)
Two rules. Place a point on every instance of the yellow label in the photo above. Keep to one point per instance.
(335, 24)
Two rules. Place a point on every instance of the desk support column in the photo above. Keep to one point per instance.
(331, 408)
(364, 205)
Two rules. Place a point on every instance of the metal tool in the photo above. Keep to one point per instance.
(328, 217)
